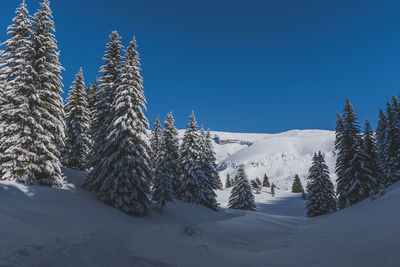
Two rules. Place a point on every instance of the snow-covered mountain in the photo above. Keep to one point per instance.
(280, 156)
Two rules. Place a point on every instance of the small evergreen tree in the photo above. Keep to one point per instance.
(195, 185)
(273, 189)
(297, 187)
(255, 186)
(321, 194)
(218, 182)
(259, 181)
(155, 142)
(228, 181)
(77, 143)
(266, 181)
(241, 196)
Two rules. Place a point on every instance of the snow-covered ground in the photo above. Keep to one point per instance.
(70, 227)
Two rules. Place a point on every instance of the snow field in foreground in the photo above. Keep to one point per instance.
(70, 227)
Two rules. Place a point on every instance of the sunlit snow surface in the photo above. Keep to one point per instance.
(69, 227)
(280, 156)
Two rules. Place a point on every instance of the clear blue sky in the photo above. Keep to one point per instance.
(251, 66)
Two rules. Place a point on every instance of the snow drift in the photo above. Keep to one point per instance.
(69, 227)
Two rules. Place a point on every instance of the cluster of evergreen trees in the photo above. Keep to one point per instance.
(125, 170)
(101, 129)
(358, 167)
(32, 124)
(188, 171)
(366, 163)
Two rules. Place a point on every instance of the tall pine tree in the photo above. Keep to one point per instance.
(354, 179)
(102, 118)
(338, 140)
(168, 164)
(35, 127)
(208, 158)
(91, 92)
(195, 185)
(77, 142)
(49, 108)
(166, 180)
(372, 159)
(391, 146)
(380, 134)
(17, 77)
(125, 171)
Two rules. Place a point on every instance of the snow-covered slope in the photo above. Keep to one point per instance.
(280, 156)
(69, 227)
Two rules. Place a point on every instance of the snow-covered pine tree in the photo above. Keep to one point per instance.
(218, 182)
(195, 185)
(380, 134)
(273, 189)
(155, 142)
(102, 118)
(208, 159)
(47, 107)
(338, 141)
(241, 196)
(169, 137)
(228, 181)
(18, 93)
(255, 186)
(372, 158)
(91, 90)
(297, 187)
(258, 181)
(125, 171)
(266, 181)
(355, 181)
(391, 149)
(165, 167)
(77, 143)
(320, 191)
(2, 82)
